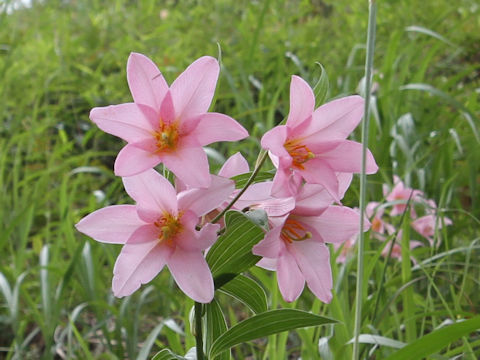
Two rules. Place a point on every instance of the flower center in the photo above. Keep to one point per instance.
(376, 224)
(294, 231)
(169, 227)
(166, 136)
(300, 153)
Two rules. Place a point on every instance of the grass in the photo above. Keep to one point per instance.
(60, 59)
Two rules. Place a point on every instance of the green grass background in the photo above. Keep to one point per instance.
(58, 59)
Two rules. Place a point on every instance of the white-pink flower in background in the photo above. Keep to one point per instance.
(168, 125)
(402, 195)
(295, 247)
(426, 225)
(160, 230)
(312, 145)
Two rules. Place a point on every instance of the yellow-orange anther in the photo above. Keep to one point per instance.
(294, 231)
(166, 136)
(169, 227)
(300, 153)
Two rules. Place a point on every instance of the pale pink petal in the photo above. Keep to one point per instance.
(198, 240)
(126, 121)
(267, 264)
(235, 165)
(167, 111)
(152, 191)
(336, 224)
(286, 183)
(202, 201)
(145, 233)
(146, 82)
(138, 264)
(272, 245)
(344, 181)
(190, 165)
(192, 91)
(318, 171)
(213, 127)
(347, 157)
(289, 277)
(312, 200)
(313, 260)
(192, 274)
(113, 224)
(132, 160)
(274, 140)
(302, 101)
(336, 119)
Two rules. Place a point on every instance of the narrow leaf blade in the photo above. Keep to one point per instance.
(436, 340)
(265, 324)
(232, 253)
(247, 291)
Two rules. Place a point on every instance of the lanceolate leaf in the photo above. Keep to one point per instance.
(241, 180)
(264, 324)
(232, 253)
(322, 87)
(215, 326)
(166, 354)
(248, 292)
(436, 340)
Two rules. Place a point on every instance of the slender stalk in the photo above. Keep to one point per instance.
(363, 179)
(258, 165)
(198, 331)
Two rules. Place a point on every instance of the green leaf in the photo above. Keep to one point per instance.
(248, 292)
(425, 31)
(469, 115)
(322, 87)
(147, 345)
(166, 354)
(241, 180)
(264, 324)
(215, 325)
(232, 253)
(436, 340)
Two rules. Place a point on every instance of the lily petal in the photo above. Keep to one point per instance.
(192, 91)
(138, 264)
(202, 201)
(213, 127)
(347, 157)
(113, 224)
(336, 119)
(192, 274)
(146, 82)
(152, 191)
(126, 121)
(190, 165)
(235, 165)
(313, 260)
(132, 160)
(302, 101)
(290, 279)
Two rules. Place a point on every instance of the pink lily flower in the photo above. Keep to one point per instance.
(296, 247)
(168, 125)
(312, 145)
(402, 194)
(160, 230)
(425, 226)
(397, 248)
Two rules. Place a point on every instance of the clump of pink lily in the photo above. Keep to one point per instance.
(400, 201)
(172, 225)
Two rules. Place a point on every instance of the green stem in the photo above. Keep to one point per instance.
(363, 179)
(261, 159)
(198, 331)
